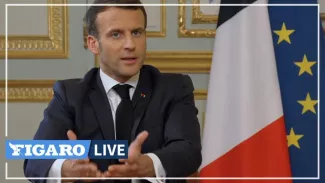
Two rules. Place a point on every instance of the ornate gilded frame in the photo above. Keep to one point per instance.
(161, 33)
(193, 33)
(53, 45)
(27, 90)
(42, 91)
(199, 18)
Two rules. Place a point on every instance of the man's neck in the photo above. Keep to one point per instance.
(119, 79)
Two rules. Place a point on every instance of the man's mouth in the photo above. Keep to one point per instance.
(129, 59)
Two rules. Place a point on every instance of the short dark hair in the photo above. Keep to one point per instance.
(93, 11)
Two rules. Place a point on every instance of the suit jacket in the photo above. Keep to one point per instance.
(167, 112)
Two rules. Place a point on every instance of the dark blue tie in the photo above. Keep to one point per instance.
(124, 113)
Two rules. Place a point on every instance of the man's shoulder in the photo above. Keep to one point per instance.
(69, 89)
(175, 79)
(165, 79)
(68, 83)
(72, 85)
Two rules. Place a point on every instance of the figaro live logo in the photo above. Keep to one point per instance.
(66, 149)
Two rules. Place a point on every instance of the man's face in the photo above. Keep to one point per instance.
(122, 42)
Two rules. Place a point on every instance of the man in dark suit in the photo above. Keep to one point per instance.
(124, 99)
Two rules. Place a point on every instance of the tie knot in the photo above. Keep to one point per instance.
(123, 90)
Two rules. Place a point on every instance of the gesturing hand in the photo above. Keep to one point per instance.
(78, 168)
(137, 165)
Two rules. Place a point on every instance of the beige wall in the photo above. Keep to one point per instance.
(24, 117)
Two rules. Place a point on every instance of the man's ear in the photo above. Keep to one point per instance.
(93, 44)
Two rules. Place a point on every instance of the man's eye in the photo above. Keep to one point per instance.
(115, 35)
(136, 33)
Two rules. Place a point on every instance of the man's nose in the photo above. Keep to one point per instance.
(129, 43)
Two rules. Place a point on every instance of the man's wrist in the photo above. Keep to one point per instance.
(67, 164)
(147, 163)
(159, 171)
(64, 173)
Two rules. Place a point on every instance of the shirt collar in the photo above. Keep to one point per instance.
(109, 82)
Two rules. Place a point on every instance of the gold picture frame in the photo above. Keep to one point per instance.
(53, 45)
(160, 33)
(183, 32)
(27, 90)
(177, 62)
(42, 91)
(198, 17)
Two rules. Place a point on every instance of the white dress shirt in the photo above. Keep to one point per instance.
(114, 100)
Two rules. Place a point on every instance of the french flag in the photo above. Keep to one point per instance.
(244, 134)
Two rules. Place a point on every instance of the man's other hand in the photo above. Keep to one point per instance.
(137, 164)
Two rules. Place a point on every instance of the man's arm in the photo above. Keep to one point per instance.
(57, 121)
(57, 125)
(181, 153)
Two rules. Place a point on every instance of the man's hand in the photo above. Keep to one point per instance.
(137, 164)
(78, 168)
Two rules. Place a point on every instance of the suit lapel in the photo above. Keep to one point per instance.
(141, 99)
(102, 109)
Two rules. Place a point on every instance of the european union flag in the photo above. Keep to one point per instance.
(296, 39)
